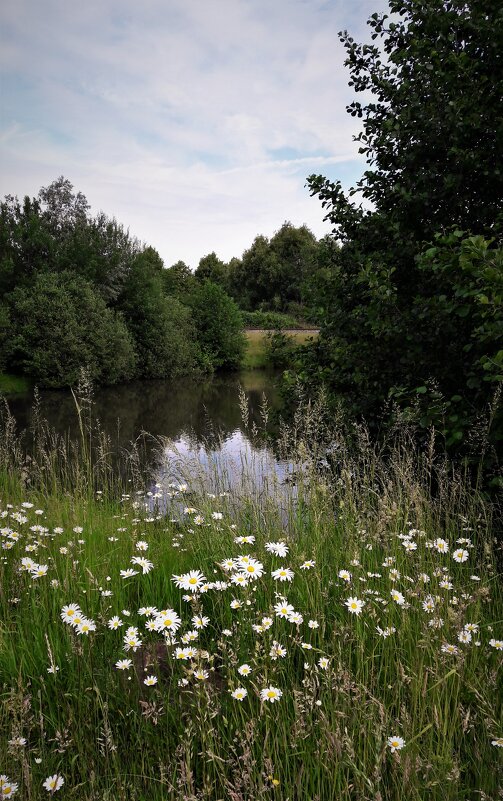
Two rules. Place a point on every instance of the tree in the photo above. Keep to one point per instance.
(178, 279)
(58, 325)
(433, 129)
(219, 326)
(211, 268)
(397, 322)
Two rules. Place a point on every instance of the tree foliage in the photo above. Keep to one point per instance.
(411, 302)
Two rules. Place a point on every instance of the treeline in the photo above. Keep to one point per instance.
(77, 290)
(411, 304)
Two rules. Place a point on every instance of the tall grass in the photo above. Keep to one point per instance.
(378, 514)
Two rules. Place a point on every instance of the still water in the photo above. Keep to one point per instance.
(198, 425)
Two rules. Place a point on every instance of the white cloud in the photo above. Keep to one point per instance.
(193, 122)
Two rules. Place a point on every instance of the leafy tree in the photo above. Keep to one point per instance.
(211, 268)
(58, 325)
(178, 279)
(219, 326)
(402, 319)
(161, 326)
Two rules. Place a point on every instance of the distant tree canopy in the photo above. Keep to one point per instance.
(77, 290)
(411, 304)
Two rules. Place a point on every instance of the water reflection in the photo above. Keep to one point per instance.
(201, 421)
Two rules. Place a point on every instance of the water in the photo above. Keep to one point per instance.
(200, 423)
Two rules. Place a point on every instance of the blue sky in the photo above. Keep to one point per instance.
(193, 122)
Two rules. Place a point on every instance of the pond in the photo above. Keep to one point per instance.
(200, 423)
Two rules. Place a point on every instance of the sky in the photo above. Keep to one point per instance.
(194, 123)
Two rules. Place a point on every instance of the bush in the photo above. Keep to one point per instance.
(219, 326)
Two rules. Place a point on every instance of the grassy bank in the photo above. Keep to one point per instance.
(338, 637)
(13, 384)
(256, 352)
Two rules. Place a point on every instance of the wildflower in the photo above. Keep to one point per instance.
(296, 617)
(498, 644)
(445, 584)
(190, 581)
(277, 548)
(277, 650)
(313, 624)
(271, 694)
(354, 605)
(235, 604)
(308, 564)
(441, 545)
(464, 636)
(396, 743)
(7, 788)
(252, 568)
(53, 783)
(217, 515)
(68, 613)
(148, 611)
(283, 609)
(390, 560)
(200, 674)
(85, 626)
(132, 642)
(53, 669)
(228, 564)
(198, 520)
(182, 653)
(398, 597)
(244, 540)
(39, 570)
(449, 649)
(239, 693)
(436, 623)
(424, 578)
(124, 664)
(472, 627)
(145, 564)
(323, 662)
(394, 574)
(429, 604)
(283, 574)
(129, 573)
(167, 620)
(387, 632)
(150, 681)
(200, 622)
(244, 670)
(498, 742)
(307, 646)
(460, 555)
(141, 545)
(345, 575)
(115, 622)
(410, 546)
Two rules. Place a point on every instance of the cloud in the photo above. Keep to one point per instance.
(173, 115)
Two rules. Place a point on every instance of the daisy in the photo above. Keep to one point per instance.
(277, 650)
(449, 649)
(252, 569)
(85, 626)
(7, 788)
(313, 624)
(283, 609)
(498, 742)
(200, 622)
(182, 653)
(167, 620)
(228, 564)
(460, 555)
(244, 670)
(239, 693)
(201, 674)
(277, 548)
(141, 545)
(235, 604)
(345, 575)
(271, 694)
(282, 574)
(17, 742)
(39, 570)
(354, 605)
(308, 564)
(245, 540)
(53, 783)
(498, 644)
(217, 515)
(148, 611)
(145, 564)
(69, 612)
(129, 573)
(296, 617)
(150, 681)
(132, 642)
(441, 545)
(398, 597)
(307, 646)
(190, 581)
(115, 622)
(464, 636)
(396, 743)
(323, 662)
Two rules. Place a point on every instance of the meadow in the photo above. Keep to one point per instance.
(256, 353)
(338, 638)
